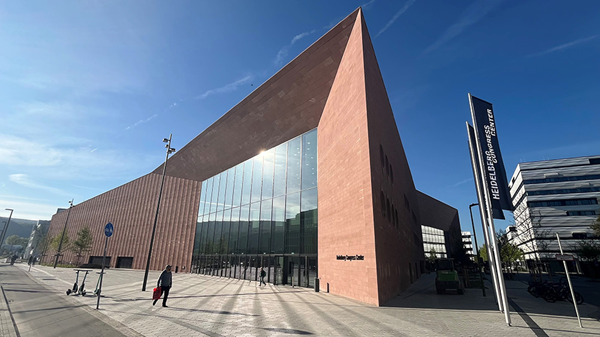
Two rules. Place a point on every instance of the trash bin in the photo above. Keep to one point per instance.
(316, 285)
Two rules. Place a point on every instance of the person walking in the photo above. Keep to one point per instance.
(263, 273)
(165, 281)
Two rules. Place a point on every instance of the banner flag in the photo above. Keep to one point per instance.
(486, 140)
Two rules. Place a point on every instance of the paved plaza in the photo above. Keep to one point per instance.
(211, 306)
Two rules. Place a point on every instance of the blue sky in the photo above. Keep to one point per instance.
(88, 89)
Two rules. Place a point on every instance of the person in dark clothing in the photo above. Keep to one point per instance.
(263, 273)
(165, 281)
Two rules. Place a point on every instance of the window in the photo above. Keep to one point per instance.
(578, 213)
(573, 202)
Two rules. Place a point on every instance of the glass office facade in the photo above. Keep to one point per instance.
(262, 213)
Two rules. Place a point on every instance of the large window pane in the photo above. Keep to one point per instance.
(215, 193)
(218, 233)
(265, 226)
(268, 167)
(226, 230)
(234, 230)
(229, 188)
(237, 189)
(243, 238)
(209, 188)
(247, 182)
(279, 225)
(309, 160)
(208, 248)
(293, 165)
(202, 198)
(309, 220)
(256, 177)
(254, 228)
(292, 223)
(222, 187)
(280, 168)
(197, 238)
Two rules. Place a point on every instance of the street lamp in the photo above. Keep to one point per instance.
(476, 247)
(169, 151)
(63, 233)
(6, 226)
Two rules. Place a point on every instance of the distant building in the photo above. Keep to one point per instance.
(468, 244)
(38, 232)
(554, 196)
(440, 228)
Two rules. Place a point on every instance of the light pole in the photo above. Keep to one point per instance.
(63, 233)
(6, 226)
(476, 247)
(169, 151)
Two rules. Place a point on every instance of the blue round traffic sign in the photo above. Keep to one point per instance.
(108, 230)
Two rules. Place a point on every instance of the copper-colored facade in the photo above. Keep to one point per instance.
(367, 202)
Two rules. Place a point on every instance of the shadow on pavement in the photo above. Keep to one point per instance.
(290, 331)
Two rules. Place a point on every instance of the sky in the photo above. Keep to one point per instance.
(88, 89)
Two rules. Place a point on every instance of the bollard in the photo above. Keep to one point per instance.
(316, 284)
(328, 287)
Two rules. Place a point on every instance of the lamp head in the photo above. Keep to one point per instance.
(165, 140)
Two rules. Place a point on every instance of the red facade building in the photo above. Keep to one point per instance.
(362, 241)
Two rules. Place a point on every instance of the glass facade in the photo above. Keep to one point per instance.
(433, 239)
(262, 213)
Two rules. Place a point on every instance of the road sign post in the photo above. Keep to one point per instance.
(108, 232)
(564, 258)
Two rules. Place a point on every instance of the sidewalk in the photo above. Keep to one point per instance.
(203, 305)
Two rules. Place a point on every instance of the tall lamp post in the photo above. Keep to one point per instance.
(476, 247)
(6, 227)
(169, 151)
(63, 233)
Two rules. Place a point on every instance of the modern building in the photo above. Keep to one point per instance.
(468, 244)
(38, 232)
(306, 177)
(554, 196)
(440, 227)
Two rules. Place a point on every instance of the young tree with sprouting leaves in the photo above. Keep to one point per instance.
(83, 243)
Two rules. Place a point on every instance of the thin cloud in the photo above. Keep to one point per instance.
(94, 150)
(364, 6)
(473, 14)
(284, 51)
(24, 180)
(141, 121)
(396, 16)
(565, 46)
(462, 182)
(225, 89)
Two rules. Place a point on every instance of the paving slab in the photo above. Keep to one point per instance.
(202, 305)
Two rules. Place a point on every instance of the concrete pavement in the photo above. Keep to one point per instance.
(203, 305)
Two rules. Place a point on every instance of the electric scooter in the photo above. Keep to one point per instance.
(76, 289)
(97, 291)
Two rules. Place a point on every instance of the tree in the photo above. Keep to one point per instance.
(83, 243)
(483, 252)
(55, 243)
(588, 249)
(596, 227)
(510, 253)
(531, 235)
(15, 240)
(432, 256)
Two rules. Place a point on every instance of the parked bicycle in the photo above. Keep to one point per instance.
(552, 292)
